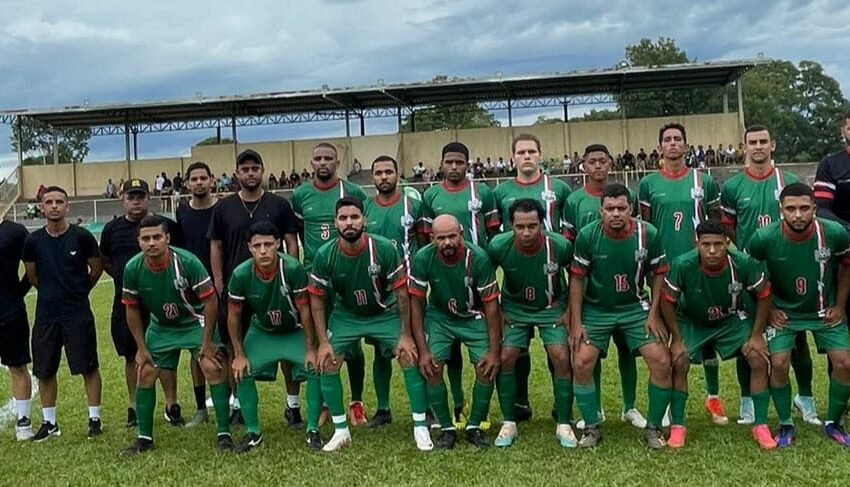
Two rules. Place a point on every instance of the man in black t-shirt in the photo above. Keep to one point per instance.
(118, 244)
(63, 263)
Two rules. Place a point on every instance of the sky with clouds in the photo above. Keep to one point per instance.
(60, 53)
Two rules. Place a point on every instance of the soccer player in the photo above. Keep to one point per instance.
(533, 262)
(14, 326)
(314, 206)
(581, 209)
(119, 244)
(530, 182)
(809, 267)
(750, 200)
(366, 278)
(394, 215)
(228, 234)
(675, 200)
(274, 287)
(612, 259)
(703, 305)
(463, 306)
(63, 263)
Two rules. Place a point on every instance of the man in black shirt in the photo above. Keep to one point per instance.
(832, 182)
(63, 263)
(14, 327)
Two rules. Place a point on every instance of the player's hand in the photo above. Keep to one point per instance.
(757, 345)
(325, 357)
(241, 367)
(407, 348)
(577, 337)
(143, 356)
(655, 327)
(489, 364)
(564, 320)
(311, 361)
(834, 316)
(677, 350)
(427, 365)
(211, 353)
(777, 319)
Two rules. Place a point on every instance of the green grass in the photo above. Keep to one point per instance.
(714, 456)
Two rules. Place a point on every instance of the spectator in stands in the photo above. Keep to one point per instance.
(500, 167)
(110, 189)
(618, 162)
(159, 182)
(272, 181)
(710, 157)
(641, 164)
(418, 171)
(739, 153)
(178, 183)
(730, 154)
(305, 175)
(281, 180)
(120, 187)
(641, 156)
(628, 161)
(427, 176)
(700, 157)
(294, 180)
(225, 182)
(40, 192)
(567, 163)
(653, 159)
(691, 157)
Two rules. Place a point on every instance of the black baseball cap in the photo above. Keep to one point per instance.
(248, 155)
(135, 185)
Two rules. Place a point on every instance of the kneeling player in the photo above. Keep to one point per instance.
(173, 284)
(274, 286)
(703, 307)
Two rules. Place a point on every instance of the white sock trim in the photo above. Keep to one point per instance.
(49, 414)
(94, 412)
(22, 408)
(292, 401)
(419, 416)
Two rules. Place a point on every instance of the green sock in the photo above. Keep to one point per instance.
(220, 394)
(802, 365)
(628, 378)
(438, 398)
(481, 394)
(314, 401)
(145, 404)
(597, 381)
(761, 401)
(454, 371)
(382, 372)
(711, 369)
(332, 392)
(522, 370)
(249, 401)
(838, 395)
(414, 383)
(678, 401)
(563, 389)
(356, 362)
(587, 405)
(659, 399)
(782, 402)
(507, 387)
(743, 370)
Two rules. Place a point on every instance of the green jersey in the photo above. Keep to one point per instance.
(534, 288)
(271, 298)
(802, 267)
(399, 220)
(472, 204)
(315, 207)
(751, 202)
(550, 192)
(174, 293)
(582, 208)
(363, 282)
(707, 297)
(458, 290)
(615, 266)
(676, 204)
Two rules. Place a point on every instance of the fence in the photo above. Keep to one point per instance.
(9, 191)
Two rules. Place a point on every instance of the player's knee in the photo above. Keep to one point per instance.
(437, 377)
(681, 364)
(560, 358)
(509, 358)
(406, 361)
(840, 362)
(780, 363)
(481, 378)
(19, 373)
(756, 363)
(583, 363)
(659, 363)
(148, 375)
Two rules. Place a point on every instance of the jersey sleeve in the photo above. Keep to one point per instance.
(673, 282)
(485, 277)
(568, 219)
(199, 279)
(106, 241)
(358, 193)
(565, 257)
(840, 245)
(727, 204)
(644, 199)
(236, 288)
(28, 253)
(319, 275)
(427, 211)
(130, 285)
(216, 230)
(489, 209)
(394, 265)
(824, 185)
(635, 204)
(286, 219)
(418, 284)
(712, 191)
(582, 257)
(756, 247)
(657, 258)
(298, 282)
(755, 278)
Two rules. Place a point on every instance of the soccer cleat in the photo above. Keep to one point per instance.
(200, 417)
(292, 417)
(23, 429)
(523, 413)
(357, 414)
(380, 418)
(224, 442)
(506, 436)
(95, 428)
(763, 437)
(139, 446)
(806, 406)
(601, 416)
(714, 407)
(654, 438)
(340, 439)
(131, 418)
(447, 440)
(591, 437)
(248, 443)
(837, 434)
(785, 436)
(46, 431)
(236, 417)
(314, 440)
(477, 438)
(461, 413)
(746, 413)
(565, 435)
(633, 417)
(422, 436)
(678, 436)
(174, 415)
(665, 420)
(325, 416)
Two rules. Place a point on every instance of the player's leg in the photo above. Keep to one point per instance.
(145, 405)
(522, 371)
(558, 355)
(216, 375)
(454, 372)
(199, 389)
(681, 365)
(292, 410)
(476, 338)
(627, 365)
(657, 358)
(259, 348)
(711, 370)
(46, 354)
(382, 371)
(836, 343)
(125, 346)
(801, 363)
(780, 343)
(173, 413)
(760, 394)
(386, 334)
(597, 379)
(584, 388)
(746, 413)
(344, 334)
(440, 344)
(355, 359)
(15, 354)
(515, 339)
(80, 342)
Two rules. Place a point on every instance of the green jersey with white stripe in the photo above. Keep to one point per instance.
(472, 204)
(751, 202)
(398, 220)
(582, 208)
(550, 192)
(272, 299)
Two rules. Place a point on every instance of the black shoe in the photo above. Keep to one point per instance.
(224, 442)
(380, 418)
(139, 446)
(458, 414)
(654, 438)
(314, 440)
(132, 422)
(248, 443)
(523, 413)
(590, 438)
(430, 419)
(95, 427)
(477, 438)
(236, 417)
(447, 440)
(46, 431)
(174, 415)
(292, 416)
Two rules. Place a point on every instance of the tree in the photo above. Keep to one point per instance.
(465, 116)
(544, 120)
(600, 115)
(214, 141)
(37, 137)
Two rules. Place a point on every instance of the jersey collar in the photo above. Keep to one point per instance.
(359, 247)
(754, 177)
(530, 183)
(455, 190)
(392, 201)
(159, 268)
(592, 192)
(262, 275)
(626, 233)
(714, 272)
(797, 237)
(528, 253)
(325, 187)
(675, 175)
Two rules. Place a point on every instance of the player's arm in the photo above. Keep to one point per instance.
(95, 269)
(319, 289)
(217, 264)
(208, 351)
(106, 262)
(576, 294)
(304, 313)
(843, 290)
(234, 325)
(824, 187)
(291, 242)
(644, 201)
(28, 256)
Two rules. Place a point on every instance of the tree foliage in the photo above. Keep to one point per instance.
(544, 120)
(466, 116)
(37, 142)
(215, 141)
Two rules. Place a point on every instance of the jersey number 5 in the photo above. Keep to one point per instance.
(621, 283)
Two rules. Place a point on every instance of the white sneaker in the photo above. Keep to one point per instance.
(665, 421)
(746, 413)
(340, 439)
(422, 437)
(565, 435)
(23, 430)
(806, 406)
(634, 417)
(506, 436)
(580, 423)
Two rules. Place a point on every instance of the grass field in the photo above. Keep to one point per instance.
(714, 456)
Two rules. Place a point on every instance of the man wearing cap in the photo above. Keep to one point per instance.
(118, 244)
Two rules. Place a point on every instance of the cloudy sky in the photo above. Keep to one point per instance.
(61, 53)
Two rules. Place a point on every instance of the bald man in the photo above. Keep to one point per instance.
(463, 306)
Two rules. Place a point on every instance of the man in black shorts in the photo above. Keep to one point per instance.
(14, 327)
(63, 263)
(228, 234)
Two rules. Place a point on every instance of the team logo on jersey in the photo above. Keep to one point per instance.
(467, 281)
(374, 270)
(550, 268)
(697, 193)
(181, 283)
(474, 205)
(548, 195)
(641, 255)
(735, 288)
(822, 254)
(406, 220)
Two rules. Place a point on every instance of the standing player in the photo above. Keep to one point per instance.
(118, 244)
(675, 200)
(394, 215)
(14, 326)
(703, 305)
(530, 182)
(533, 262)
(582, 209)
(832, 181)
(750, 200)
(809, 266)
(173, 284)
(463, 306)
(366, 278)
(63, 263)
(314, 206)
(612, 260)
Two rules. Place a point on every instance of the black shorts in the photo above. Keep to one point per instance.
(125, 344)
(15, 340)
(221, 331)
(79, 338)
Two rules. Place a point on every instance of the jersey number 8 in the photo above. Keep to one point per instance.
(529, 293)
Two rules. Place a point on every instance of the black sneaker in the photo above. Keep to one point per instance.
(314, 440)
(447, 440)
(477, 438)
(46, 431)
(132, 422)
(654, 438)
(248, 443)
(174, 415)
(590, 438)
(292, 416)
(380, 418)
(236, 417)
(95, 428)
(523, 413)
(139, 446)
(224, 442)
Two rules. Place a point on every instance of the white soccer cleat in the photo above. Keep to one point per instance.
(507, 435)
(746, 412)
(340, 439)
(806, 406)
(422, 437)
(566, 436)
(634, 417)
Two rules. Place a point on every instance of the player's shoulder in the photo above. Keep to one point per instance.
(831, 228)
(500, 243)
(559, 184)
(425, 254)
(431, 192)
(577, 196)
(381, 242)
(557, 239)
(476, 251)
(302, 190)
(590, 231)
(739, 258)
(185, 256)
(81, 233)
(288, 261)
(734, 181)
(243, 269)
(650, 179)
(482, 188)
(325, 250)
(687, 260)
(112, 224)
(15, 228)
(353, 189)
(134, 264)
(768, 232)
(788, 176)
